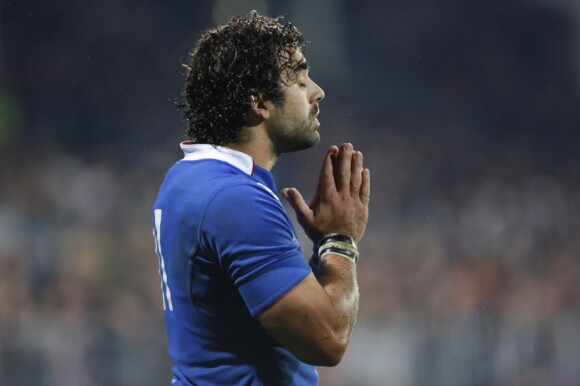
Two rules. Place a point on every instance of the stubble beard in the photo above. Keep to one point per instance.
(289, 134)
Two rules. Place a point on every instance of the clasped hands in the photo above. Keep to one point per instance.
(340, 203)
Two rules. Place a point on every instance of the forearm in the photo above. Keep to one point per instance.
(315, 320)
(337, 276)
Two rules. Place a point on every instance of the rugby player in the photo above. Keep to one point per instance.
(242, 305)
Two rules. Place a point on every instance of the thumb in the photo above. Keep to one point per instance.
(297, 201)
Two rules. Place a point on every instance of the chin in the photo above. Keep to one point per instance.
(302, 144)
(316, 138)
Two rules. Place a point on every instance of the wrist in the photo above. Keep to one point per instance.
(339, 244)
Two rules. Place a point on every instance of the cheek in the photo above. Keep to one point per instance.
(297, 101)
(301, 108)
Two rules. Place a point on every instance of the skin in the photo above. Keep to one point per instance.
(294, 124)
(273, 128)
(316, 318)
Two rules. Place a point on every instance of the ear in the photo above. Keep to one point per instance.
(259, 107)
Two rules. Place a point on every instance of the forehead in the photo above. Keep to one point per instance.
(294, 57)
(293, 63)
(298, 56)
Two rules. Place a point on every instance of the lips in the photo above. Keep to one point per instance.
(315, 112)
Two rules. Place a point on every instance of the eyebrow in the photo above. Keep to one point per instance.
(302, 66)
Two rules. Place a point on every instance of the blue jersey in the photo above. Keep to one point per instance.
(227, 251)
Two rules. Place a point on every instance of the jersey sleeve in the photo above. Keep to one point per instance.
(246, 227)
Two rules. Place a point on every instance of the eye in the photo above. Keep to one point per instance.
(301, 84)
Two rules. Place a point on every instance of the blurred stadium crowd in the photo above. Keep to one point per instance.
(468, 116)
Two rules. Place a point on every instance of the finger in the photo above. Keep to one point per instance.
(342, 169)
(356, 173)
(297, 202)
(327, 184)
(319, 187)
(365, 189)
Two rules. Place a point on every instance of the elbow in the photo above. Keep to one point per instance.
(327, 352)
(333, 355)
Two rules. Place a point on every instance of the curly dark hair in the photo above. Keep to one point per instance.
(229, 64)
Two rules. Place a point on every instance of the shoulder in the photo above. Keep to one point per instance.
(195, 180)
(246, 213)
(243, 201)
(244, 191)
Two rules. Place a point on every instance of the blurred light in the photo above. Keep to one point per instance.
(223, 10)
(10, 117)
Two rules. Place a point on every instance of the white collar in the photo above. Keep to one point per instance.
(199, 151)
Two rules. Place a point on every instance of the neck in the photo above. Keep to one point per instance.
(255, 142)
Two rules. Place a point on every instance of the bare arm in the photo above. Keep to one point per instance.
(315, 319)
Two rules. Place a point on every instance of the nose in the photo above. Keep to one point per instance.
(317, 94)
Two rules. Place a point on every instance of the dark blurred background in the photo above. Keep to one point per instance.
(468, 114)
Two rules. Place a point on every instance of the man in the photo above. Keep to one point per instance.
(242, 307)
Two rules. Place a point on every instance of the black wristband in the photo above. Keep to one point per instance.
(336, 237)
